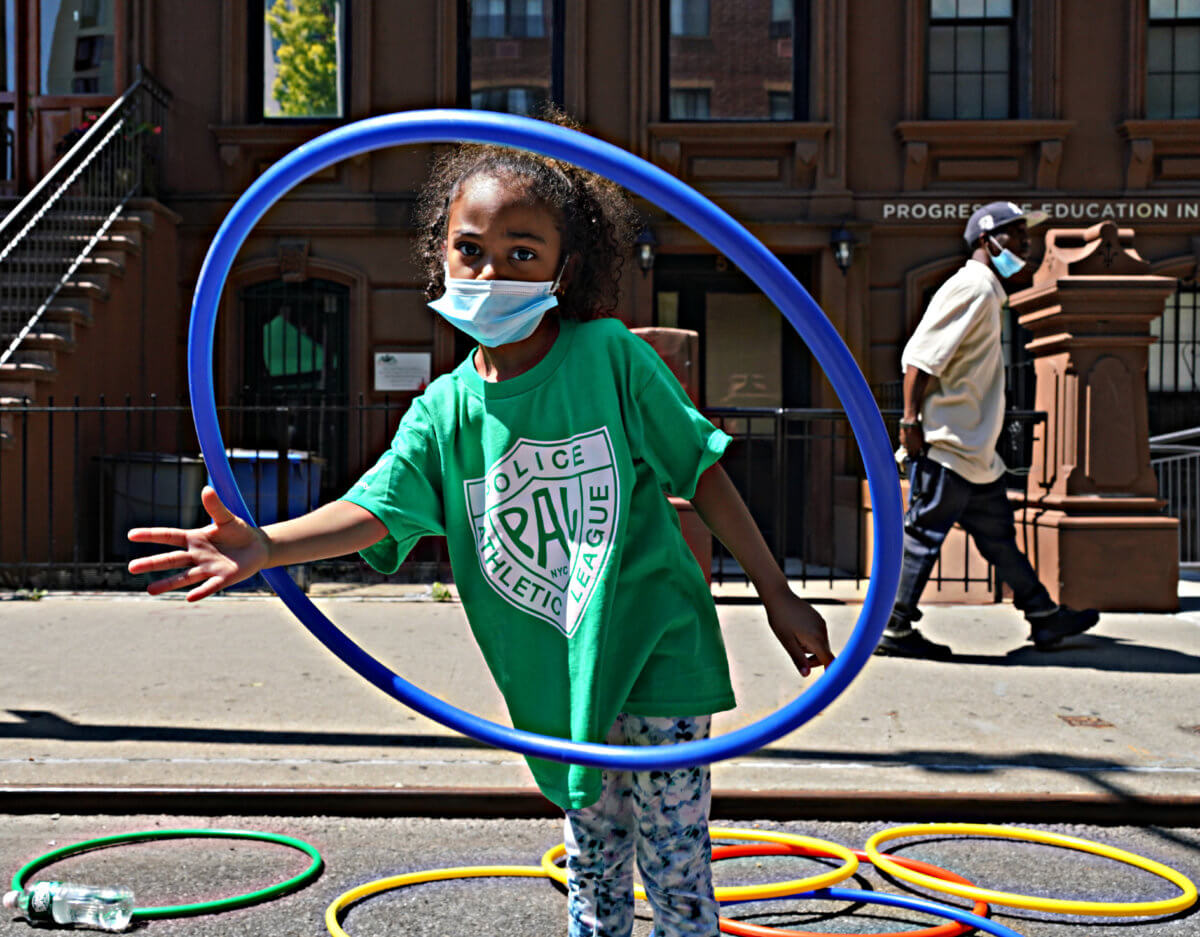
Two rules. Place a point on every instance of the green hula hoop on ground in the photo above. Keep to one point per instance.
(199, 907)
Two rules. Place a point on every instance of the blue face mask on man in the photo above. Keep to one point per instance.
(496, 312)
(1006, 262)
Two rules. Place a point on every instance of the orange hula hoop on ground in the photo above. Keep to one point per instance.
(742, 929)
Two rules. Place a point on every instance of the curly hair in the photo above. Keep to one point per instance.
(596, 219)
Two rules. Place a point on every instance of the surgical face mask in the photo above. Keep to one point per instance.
(1006, 262)
(496, 312)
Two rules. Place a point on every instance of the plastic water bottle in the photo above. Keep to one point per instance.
(109, 909)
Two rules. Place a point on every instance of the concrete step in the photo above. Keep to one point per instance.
(40, 358)
(8, 423)
(124, 242)
(66, 310)
(46, 336)
(25, 378)
(40, 268)
(17, 388)
(141, 222)
(82, 284)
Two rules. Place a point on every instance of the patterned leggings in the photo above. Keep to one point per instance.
(660, 815)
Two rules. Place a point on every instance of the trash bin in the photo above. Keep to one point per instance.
(256, 472)
(150, 489)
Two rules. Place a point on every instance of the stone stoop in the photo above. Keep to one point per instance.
(28, 377)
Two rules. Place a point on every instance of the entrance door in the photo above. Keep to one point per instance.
(295, 351)
(749, 357)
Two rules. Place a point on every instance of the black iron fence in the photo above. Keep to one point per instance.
(76, 477)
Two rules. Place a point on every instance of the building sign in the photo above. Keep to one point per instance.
(398, 370)
(1070, 212)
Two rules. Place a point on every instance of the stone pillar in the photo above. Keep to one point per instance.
(1092, 521)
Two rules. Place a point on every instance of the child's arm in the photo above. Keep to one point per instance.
(229, 550)
(797, 625)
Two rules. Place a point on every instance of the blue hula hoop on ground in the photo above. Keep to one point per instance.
(984, 924)
(707, 220)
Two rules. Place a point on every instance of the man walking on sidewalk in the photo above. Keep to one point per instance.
(953, 415)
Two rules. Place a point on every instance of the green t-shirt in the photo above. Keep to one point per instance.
(569, 560)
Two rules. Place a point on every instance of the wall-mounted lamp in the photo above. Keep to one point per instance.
(842, 242)
(645, 244)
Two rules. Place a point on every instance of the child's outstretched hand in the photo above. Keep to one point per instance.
(800, 629)
(211, 558)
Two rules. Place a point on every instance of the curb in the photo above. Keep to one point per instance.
(1102, 809)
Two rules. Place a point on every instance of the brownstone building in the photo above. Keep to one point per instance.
(875, 125)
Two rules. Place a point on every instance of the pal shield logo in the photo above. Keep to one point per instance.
(544, 517)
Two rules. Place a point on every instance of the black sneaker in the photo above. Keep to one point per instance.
(912, 644)
(1047, 631)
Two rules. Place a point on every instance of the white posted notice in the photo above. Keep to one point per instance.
(401, 370)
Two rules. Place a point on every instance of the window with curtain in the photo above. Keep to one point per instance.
(301, 61)
(735, 60)
(970, 58)
(510, 54)
(1173, 59)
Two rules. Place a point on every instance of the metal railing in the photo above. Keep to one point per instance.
(1175, 458)
(78, 476)
(801, 475)
(51, 232)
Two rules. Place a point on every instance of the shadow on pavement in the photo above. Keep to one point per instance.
(1094, 652)
(39, 724)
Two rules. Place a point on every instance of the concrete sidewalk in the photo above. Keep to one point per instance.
(133, 691)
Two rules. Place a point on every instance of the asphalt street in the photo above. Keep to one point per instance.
(356, 851)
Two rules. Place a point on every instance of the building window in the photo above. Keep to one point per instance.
(76, 39)
(1173, 59)
(1174, 366)
(509, 100)
(690, 18)
(508, 19)
(779, 104)
(690, 103)
(971, 51)
(735, 60)
(299, 58)
(510, 54)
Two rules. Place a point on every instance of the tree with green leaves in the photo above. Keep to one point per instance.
(306, 56)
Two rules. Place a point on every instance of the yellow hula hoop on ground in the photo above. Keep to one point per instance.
(343, 901)
(1030, 902)
(746, 892)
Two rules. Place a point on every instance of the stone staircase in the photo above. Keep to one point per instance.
(33, 372)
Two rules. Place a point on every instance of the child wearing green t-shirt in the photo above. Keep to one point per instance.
(543, 459)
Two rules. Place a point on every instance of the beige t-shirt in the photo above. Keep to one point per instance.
(958, 342)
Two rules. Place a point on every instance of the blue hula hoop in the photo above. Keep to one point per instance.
(987, 925)
(727, 236)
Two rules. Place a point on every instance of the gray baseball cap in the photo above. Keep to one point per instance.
(996, 215)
